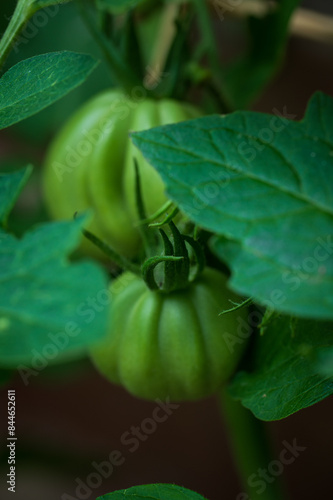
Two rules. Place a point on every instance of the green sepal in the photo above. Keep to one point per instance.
(150, 220)
(167, 219)
(182, 268)
(148, 268)
(169, 266)
(199, 256)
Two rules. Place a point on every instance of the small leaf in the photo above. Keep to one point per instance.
(264, 183)
(284, 376)
(48, 306)
(10, 187)
(153, 492)
(35, 83)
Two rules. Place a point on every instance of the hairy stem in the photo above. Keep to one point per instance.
(251, 451)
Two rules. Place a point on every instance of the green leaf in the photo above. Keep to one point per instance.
(267, 37)
(34, 84)
(153, 492)
(265, 184)
(284, 376)
(49, 308)
(10, 187)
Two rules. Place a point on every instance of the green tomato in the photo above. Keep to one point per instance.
(90, 165)
(171, 345)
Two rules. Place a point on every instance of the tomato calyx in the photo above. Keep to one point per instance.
(178, 272)
(176, 259)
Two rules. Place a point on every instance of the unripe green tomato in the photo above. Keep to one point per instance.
(171, 345)
(90, 164)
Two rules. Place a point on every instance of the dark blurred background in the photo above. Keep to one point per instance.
(69, 416)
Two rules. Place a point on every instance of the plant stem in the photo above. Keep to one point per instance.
(162, 45)
(123, 75)
(22, 14)
(209, 42)
(250, 449)
(112, 254)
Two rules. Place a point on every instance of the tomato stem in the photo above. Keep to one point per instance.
(120, 71)
(210, 46)
(23, 11)
(112, 254)
(237, 306)
(164, 41)
(251, 451)
(147, 235)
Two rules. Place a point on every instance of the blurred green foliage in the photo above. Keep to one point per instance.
(55, 28)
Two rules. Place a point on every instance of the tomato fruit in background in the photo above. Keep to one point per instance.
(90, 164)
(174, 344)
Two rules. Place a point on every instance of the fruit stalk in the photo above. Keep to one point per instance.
(251, 451)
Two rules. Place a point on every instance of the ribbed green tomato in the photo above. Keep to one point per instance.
(171, 345)
(90, 165)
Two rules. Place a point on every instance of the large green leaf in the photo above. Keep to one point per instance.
(35, 83)
(264, 52)
(49, 308)
(153, 492)
(10, 187)
(265, 184)
(284, 377)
